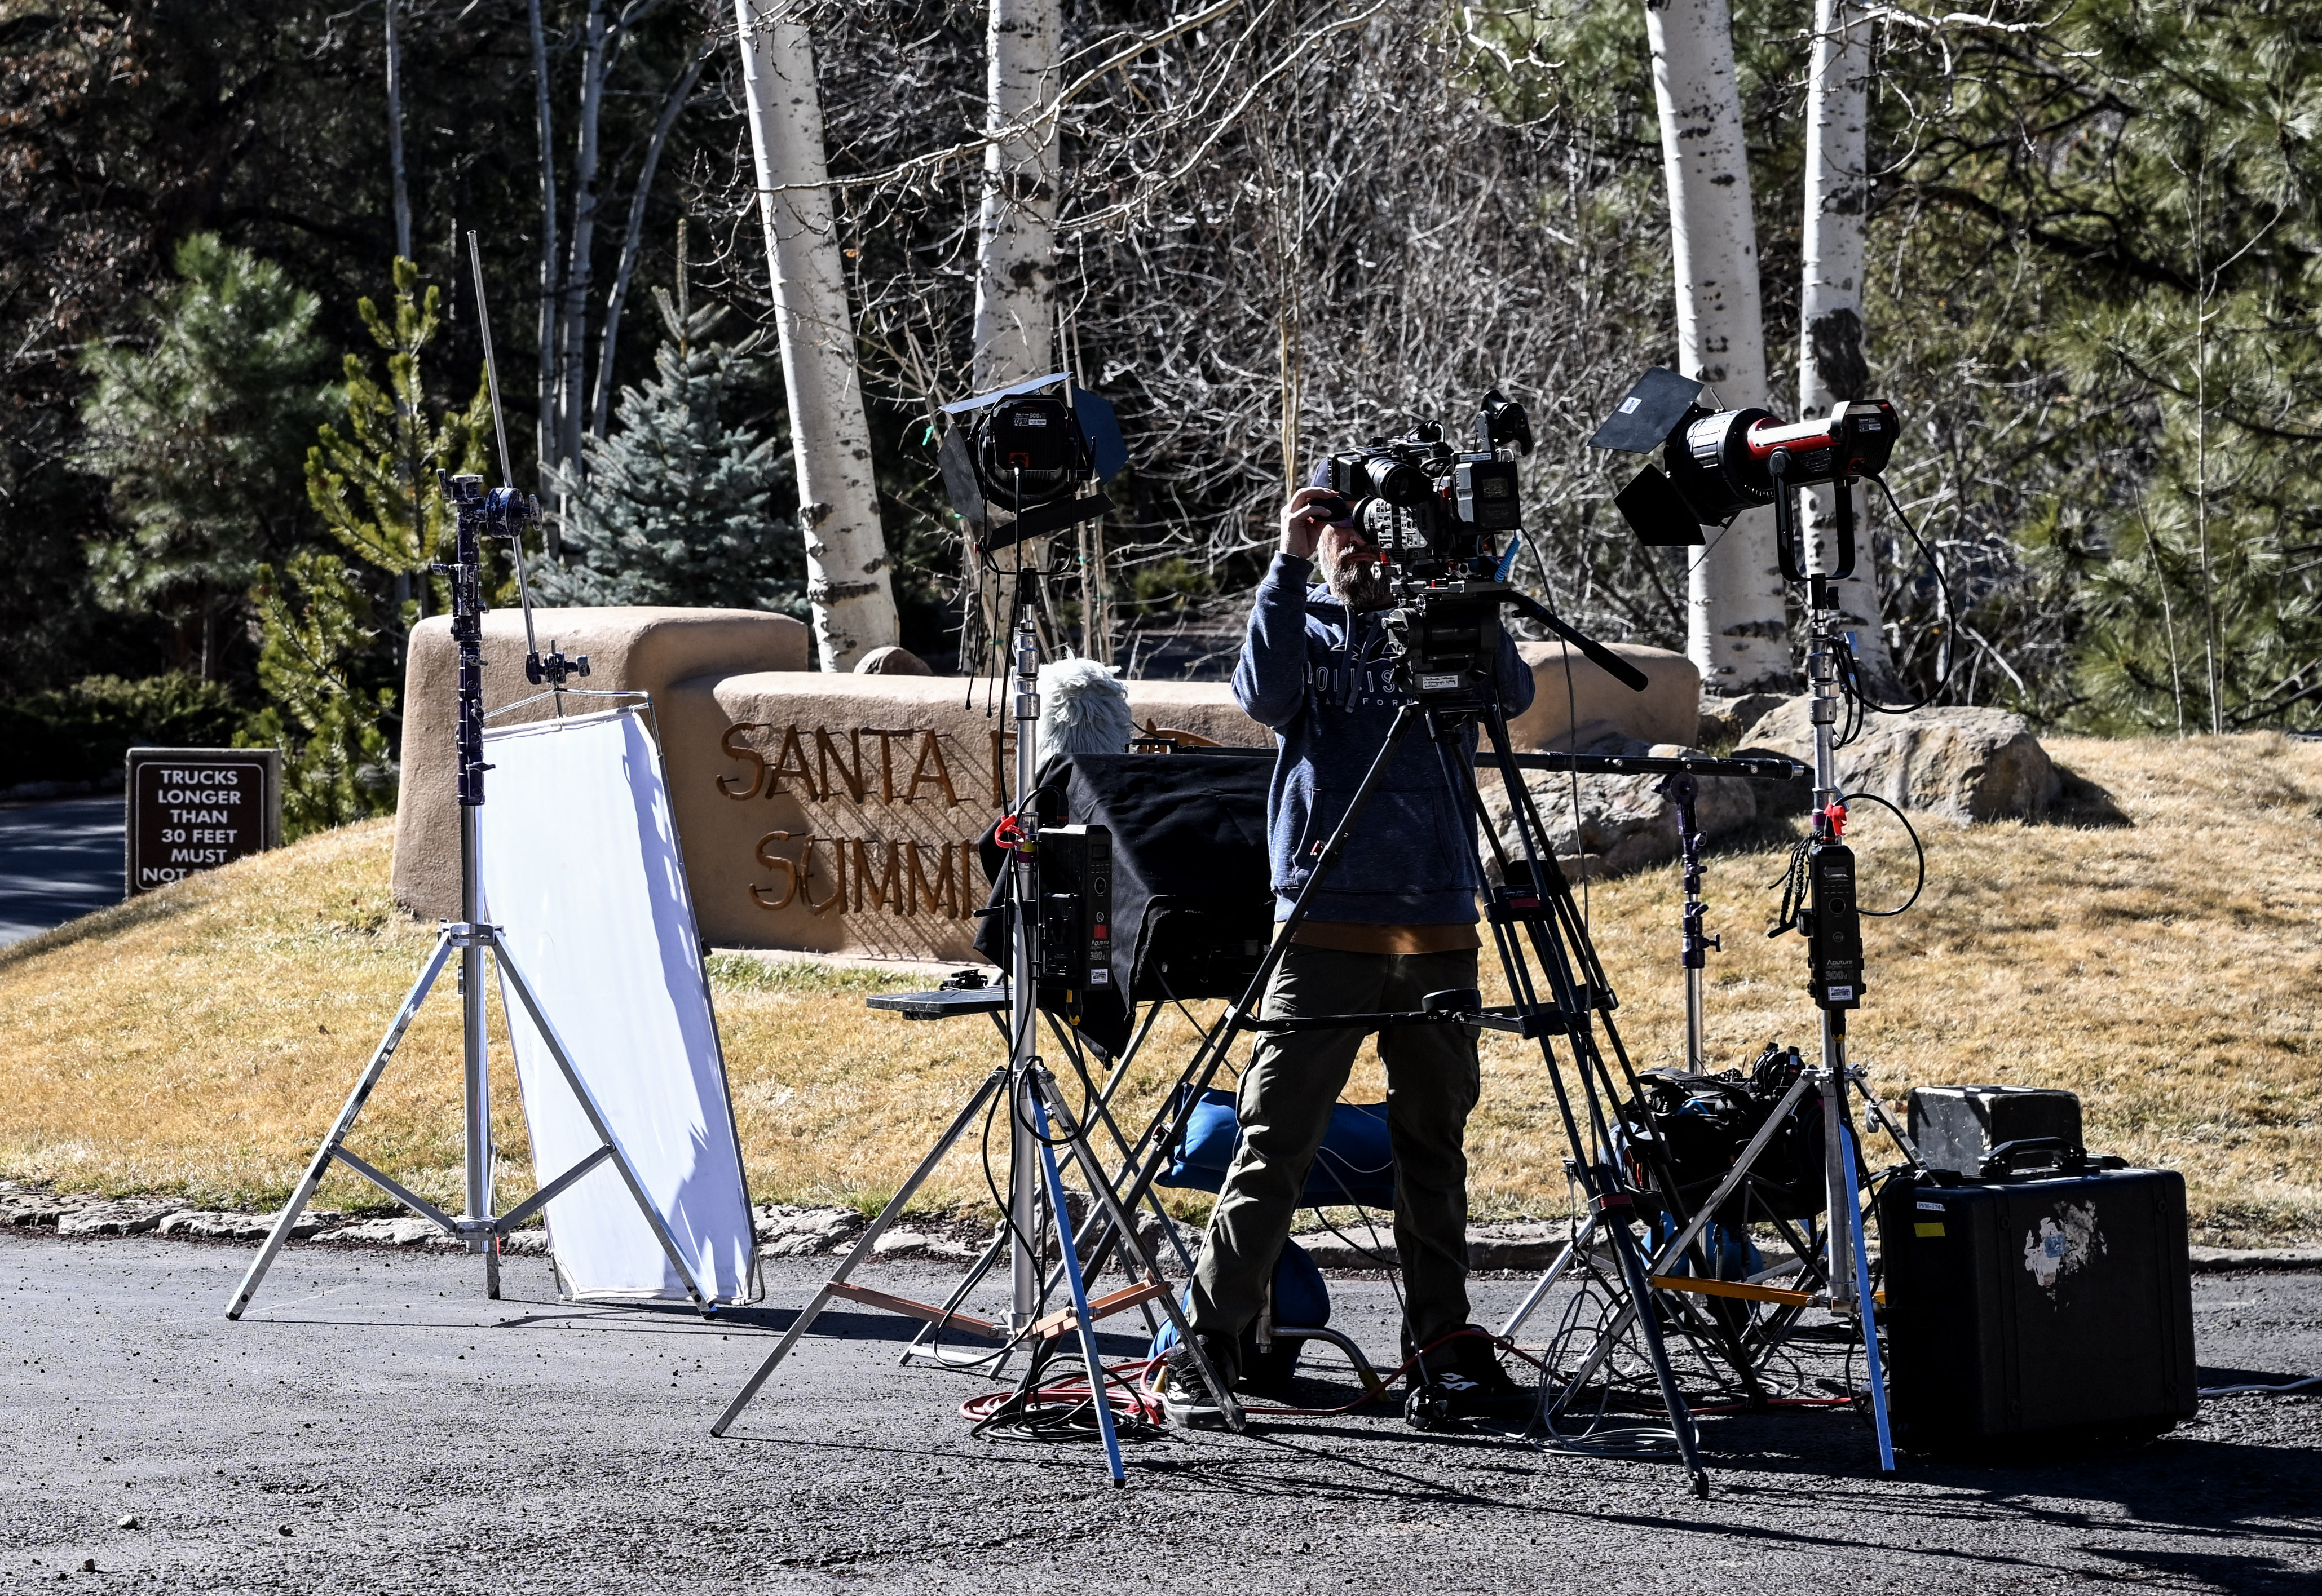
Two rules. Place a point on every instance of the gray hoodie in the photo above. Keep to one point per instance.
(1319, 676)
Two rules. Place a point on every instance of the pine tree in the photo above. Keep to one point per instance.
(680, 507)
(318, 623)
(375, 485)
(199, 433)
(375, 482)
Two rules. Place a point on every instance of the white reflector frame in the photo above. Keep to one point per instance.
(581, 872)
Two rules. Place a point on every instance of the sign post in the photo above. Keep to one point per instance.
(192, 809)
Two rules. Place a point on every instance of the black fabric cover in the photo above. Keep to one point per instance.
(1193, 906)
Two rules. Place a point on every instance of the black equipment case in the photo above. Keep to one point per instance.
(2037, 1310)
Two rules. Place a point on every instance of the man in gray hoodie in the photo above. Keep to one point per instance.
(1394, 920)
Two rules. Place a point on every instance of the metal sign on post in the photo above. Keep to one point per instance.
(191, 809)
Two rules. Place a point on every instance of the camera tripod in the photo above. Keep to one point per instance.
(500, 513)
(1041, 1126)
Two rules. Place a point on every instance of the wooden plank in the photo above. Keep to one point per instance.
(1746, 1292)
(1730, 1288)
(1063, 1319)
(918, 1310)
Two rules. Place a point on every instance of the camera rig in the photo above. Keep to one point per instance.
(1437, 517)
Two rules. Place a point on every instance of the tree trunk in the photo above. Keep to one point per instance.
(846, 573)
(572, 314)
(1015, 263)
(1737, 631)
(395, 137)
(608, 337)
(544, 424)
(1014, 270)
(1831, 361)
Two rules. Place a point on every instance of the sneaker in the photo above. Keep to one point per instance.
(1187, 1398)
(1463, 1380)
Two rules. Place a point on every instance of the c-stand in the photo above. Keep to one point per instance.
(500, 513)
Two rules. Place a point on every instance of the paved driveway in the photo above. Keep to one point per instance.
(375, 1426)
(59, 859)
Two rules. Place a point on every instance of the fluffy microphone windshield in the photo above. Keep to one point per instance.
(1083, 709)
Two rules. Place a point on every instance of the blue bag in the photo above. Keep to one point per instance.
(1355, 1164)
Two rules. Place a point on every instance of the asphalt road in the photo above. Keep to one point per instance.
(375, 1425)
(59, 859)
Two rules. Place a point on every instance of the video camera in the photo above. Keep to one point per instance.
(1018, 462)
(1437, 517)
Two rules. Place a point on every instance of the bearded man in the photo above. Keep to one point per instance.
(1394, 920)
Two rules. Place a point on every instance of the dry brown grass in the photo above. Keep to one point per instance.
(200, 1041)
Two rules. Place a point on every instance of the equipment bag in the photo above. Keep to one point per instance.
(1354, 1168)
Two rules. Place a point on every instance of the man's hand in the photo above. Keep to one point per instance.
(1304, 518)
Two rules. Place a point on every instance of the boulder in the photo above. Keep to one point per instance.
(1965, 762)
(223, 1225)
(787, 1232)
(1625, 823)
(1582, 706)
(1724, 721)
(394, 1232)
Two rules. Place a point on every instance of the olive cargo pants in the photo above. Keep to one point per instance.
(1284, 1104)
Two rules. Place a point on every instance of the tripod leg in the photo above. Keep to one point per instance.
(1098, 1397)
(995, 1081)
(1531, 1304)
(1624, 1247)
(1103, 1190)
(596, 1123)
(345, 1124)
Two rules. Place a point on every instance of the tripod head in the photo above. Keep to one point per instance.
(1446, 640)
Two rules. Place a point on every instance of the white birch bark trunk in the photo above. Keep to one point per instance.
(847, 579)
(1737, 631)
(1831, 361)
(544, 433)
(572, 316)
(1015, 261)
(1016, 273)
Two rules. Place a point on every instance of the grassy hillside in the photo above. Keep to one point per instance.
(200, 1041)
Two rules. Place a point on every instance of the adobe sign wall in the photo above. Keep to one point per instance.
(816, 812)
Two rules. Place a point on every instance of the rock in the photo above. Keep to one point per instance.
(894, 660)
(786, 1232)
(1574, 703)
(1969, 763)
(1625, 823)
(127, 1217)
(392, 1233)
(912, 1241)
(127, 1521)
(525, 1244)
(1727, 721)
(35, 1207)
(217, 1225)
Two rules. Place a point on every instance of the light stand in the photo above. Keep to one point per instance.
(1035, 1179)
(1683, 789)
(1832, 921)
(502, 514)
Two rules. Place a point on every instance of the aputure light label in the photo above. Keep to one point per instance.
(193, 810)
